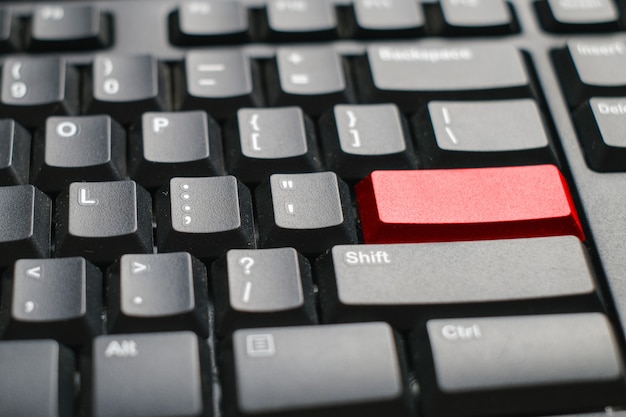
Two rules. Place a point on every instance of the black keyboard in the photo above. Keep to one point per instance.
(313, 208)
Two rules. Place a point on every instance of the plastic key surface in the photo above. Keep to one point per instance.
(466, 204)
(524, 364)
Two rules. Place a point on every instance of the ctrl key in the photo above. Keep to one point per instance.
(525, 364)
(157, 374)
(315, 371)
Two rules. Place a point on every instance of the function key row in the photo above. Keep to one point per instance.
(222, 81)
(200, 22)
(261, 141)
(579, 16)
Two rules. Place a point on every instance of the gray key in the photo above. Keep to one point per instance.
(330, 371)
(204, 216)
(524, 364)
(53, 298)
(25, 223)
(271, 140)
(81, 148)
(389, 15)
(476, 14)
(103, 220)
(161, 292)
(38, 379)
(576, 13)
(127, 86)
(15, 146)
(593, 67)
(34, 88)
(311, 77)
(220, 81)
(175, 144)
(601, 124)
(67, 27)
(482, 133)
(406, 73)
(310, 212)
(398, 283)
(264, 287)
(124, 380)
(359, 139)
(288, 18)
(201, 22)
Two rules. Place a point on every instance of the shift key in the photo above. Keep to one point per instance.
(402, 283)
(524, 365)
(408, 72)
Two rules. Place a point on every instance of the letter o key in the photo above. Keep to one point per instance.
(67, 129)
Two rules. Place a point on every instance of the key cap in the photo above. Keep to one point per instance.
(123, 379)
(524, 364)
(465, 17)
(163, 292)
(34, 88)
(601, 124)
(255, 288)
(220, 82)
(300, 20)
(397, 18)
(330, 371)
(24, 224)
(81, 148)
(592, 67)
(14, 153)
(101, 221)
(53, 298)
(124, 87)
(410, 73)
(205, 22)
(401, 284)
(576, 15)
(459, 134)
(67, 27)
(310, 77)
(263, 141)
(204, 216)
(38, 379)
(8, 32)
(310, 212)
(174, 144)
(359, 139)
(466, 204)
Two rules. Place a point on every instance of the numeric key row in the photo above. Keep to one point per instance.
(222, 81)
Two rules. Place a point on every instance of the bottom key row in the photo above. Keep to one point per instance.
(470, 366)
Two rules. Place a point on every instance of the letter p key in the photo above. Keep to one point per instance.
(159, 123)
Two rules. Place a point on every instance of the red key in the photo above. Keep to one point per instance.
(466, 204)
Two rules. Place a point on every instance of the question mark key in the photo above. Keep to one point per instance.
(263, 287)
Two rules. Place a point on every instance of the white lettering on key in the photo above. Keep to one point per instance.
(260, 345)
(255, 141)
(295, 58)
(111, 86)
(378, 4)
(34, 272)
(29, 306)
(122, 349)
(367, 258)
(67, 129)
(616, 109)
(18, 90)
(207, 82)
(290, 208)
(246, 292)
(454, 333)
(52, 13)
(351, 118)
(300, 79)
(424, 55)
(108, 67)
(84, 198)
(138, 268)
(211, 67)
(160, 123)
(200, 8)
(16, 70)
(356, 142)
(601, 49)
(254, 122)
(246, 263)
(286, 184)
(292, 6)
